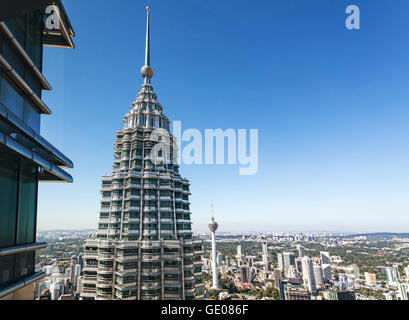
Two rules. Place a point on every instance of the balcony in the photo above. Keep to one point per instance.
(148, 258)
(172, 296)
(89, 255)
(149, 232)
(126, 258)
(105, 284)
(151, 272)
(106, 269)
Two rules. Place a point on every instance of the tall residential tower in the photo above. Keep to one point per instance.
(144, 248)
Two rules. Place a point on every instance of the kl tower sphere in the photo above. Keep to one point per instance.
(213, 227)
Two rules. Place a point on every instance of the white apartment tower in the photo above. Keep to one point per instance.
(264, 248)
(308, 274)
(144, 248)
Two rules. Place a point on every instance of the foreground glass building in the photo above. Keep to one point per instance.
(26, 158)
(144, 248)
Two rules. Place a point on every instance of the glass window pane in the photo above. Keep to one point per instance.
(24, 265)
(34, 37)
(27, 203)
(17, 26)
(8, 197)
(6, 270)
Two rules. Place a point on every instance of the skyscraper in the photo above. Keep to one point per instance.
(389, 275)
(288, 260)
(213, 227)
(301, 251)
(239, 253)
(264, 248)
(26, 157)
(319, 278)
(308, 274)
(144, 247)
(280, 261)
(326, 265)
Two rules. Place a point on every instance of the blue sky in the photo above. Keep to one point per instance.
(330, 104)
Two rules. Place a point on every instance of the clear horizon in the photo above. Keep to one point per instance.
(330, 105)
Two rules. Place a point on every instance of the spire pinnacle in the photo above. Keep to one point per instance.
(211, 206)
(147, 71)
(147, 47)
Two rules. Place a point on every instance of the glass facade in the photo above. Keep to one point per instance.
(28, 32)
(18, 205)
(18, 199)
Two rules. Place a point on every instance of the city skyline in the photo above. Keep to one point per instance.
(331, 156)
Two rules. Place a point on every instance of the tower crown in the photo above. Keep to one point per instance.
(213, 225)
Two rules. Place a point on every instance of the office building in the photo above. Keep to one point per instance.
(288, 260)
(26, 157)
(326, 266)
(280, 261)
(239, 253)
(325, 257)
(318, 276)
(308, 275)
(301, 251)
(264, 252)
(144, 247)
(389, 274)
(245, 275)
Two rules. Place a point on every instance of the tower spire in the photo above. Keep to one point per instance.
(211, 205)
(147, 71)
(147, 47)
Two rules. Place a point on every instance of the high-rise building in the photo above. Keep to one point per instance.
(301, 251)
(144, 247)
(288, 260)
(72, 267)
(390, 275)
(406, 270)
(245, 275)
(308, 274)
(264, 252)
(280, 261)
(239, 253)
(219, 259)
(325, 257)
(318, 275)
(396, 274)
(213, 227)
(77, 271)
(26, 157)
(403, 291)
(326, 265)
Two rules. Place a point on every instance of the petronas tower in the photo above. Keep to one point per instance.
(144, 248)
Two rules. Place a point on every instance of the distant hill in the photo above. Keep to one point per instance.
(379, 235)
